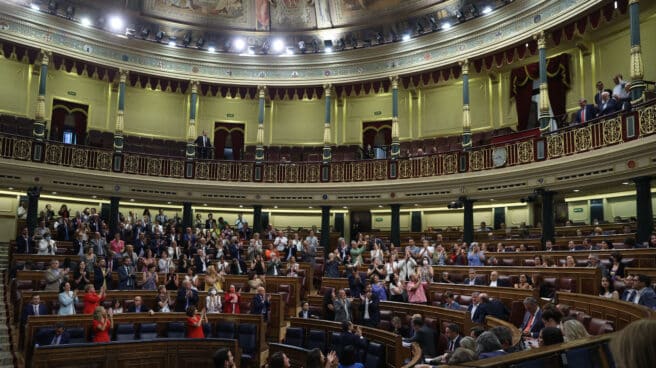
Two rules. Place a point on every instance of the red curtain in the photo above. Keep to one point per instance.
(237, 137)
(220, 136)
(60, 111)
(558, 80)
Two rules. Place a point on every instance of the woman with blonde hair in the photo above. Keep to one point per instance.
(102, 323)
(573, 330)
(213, 279)
(634, 345)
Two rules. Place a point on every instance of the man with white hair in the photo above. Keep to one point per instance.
(608, 105)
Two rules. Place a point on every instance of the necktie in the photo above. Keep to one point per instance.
(527, 328)
(452, 345)
(55, 340)
(583, 115)
(346, 309)
(366, 309)
(36, 309)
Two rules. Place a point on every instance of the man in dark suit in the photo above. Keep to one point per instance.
(186, 297)
(139, 307)
(495, 281)
(210, 223)
(473, 307)
(261, 303)
(490, 307)
(587, 112)
(203, 144)
(608, 105)
(57, 336)
(23, 242)
(600, 90)
(369, 309)
(532, 323)
(473, 279)
(645, 294)
(305, 312)
(126, 275)
(101, 275)
(35, 308)
(452, 332)
(629, 292)
(424, 336)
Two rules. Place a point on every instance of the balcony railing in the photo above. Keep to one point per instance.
(611, 130)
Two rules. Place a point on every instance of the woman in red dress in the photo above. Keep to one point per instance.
(231, 301)
(195, 323)
(91, 299)
(102, 323)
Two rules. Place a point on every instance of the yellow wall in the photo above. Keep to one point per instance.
(297, 122)
(8, 205)
(155, 113)
(218, 109)
(14, 77)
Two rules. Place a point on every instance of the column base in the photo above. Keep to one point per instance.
(395, 150)
(259, 153)
(467, 141)
(39, 130)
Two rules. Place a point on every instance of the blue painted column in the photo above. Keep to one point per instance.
(327, 154)
(466, 119)
(191, 131)
(259, 150)
(543, 106)
(637, 67)
(396, 147)
(39, 128)
(118, 132)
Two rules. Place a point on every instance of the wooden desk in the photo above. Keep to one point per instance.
(642, 257)
(619, 312)
(507, 295)
(273, 285)
(491, 322)
(395, 353)
(85, 321)
(163, 353)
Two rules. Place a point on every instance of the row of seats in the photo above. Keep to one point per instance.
(372, 354)
(16, 125)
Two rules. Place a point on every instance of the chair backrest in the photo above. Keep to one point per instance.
(548, 361)
(316, 339)
(598, 326)
(175, 330)
(336, 342)
(375, 355)
(77, 335)
(225, 330)
(294, 336)
(125, 332)
(248, 338)
(148, 331)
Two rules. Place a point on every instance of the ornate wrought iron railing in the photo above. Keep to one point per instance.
(610, 130)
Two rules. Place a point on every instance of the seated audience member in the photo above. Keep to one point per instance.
(585, 113)
(223, 358)
(488, 346)
(450, 302)
(523, 283)
(348, 357)
(629, 293)
(504, 334)
(550, 336)
(496, 282)
(532, 322)
(195, 323)
(645, 295)
(634, 345)
(452, 332)
(332, 266)
(305, 312)
(461, 355)
(473, 279)
(490, 307)
(551, 316)
(58, 336)
(573, 330)
(261, 303)
(315, 358)
(92, 300)
(35, 308)
(117, 307)
(398, 328)
(446, 278)
(139, 307)
(102, 323)
(424, 336)
(607, 290)
(280, 360)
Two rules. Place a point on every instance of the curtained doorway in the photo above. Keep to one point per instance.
(228, 141)
(360, 223)
(378, 135)
(68, 122)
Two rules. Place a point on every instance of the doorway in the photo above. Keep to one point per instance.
(360, 223)
(68, 122)
(228, 141)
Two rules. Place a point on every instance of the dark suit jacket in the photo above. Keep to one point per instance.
(597, 97)
(590, 113)
(199, 142)
(144, 309)
(608, 108)
(477, 281)
(23, 245)
(374, 311)
(126, 282)
(28, 310)
(493, 308)
(260, 305)
(456, 343)
(302, 314)
(181, 299)
(537, 323)
(98, 278)
(49, 336)
(648, 298)
(426, 338)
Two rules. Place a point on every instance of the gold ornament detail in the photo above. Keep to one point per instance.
(613, 131)
(154, 167)
(202, 170)
(245, 172)
(555, 145)
(54, 154)
(647, 120)
(428, 165)
(22, 149)
(270, 173)
(583, 139)
(80, 158)
(450, 163)
(104, 161)
(525, 152)
(313, 173)
(337, 171)
(380, 170)
(291, 173)
(131, 164)
(177, 168)
(405, 169)
(476, 160)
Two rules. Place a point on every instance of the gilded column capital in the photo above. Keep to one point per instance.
(633, 1)
(465, 66)
(123, 75)
(327, 88)
(194, 86)
(45, 57)
(260, 91)
(542, 40)
(395, 81)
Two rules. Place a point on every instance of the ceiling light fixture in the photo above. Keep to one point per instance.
(211, 49)
(328, 45)
(171, 43)
(34, 6)
(278, 45)
(487, 10)
(405, 37)
(85, 22)
(116, 23)
(239, 44)
(446, 25)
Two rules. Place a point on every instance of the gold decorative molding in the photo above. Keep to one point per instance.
(541, 38)
(637, 65)
(465, 66)
(466, 119)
